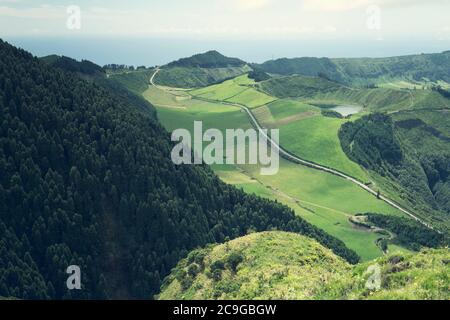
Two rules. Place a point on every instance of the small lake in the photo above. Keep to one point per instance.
(347, 110)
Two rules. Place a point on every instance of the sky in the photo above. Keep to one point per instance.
(158, 30)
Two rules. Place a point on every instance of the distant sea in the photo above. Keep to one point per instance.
(156, 51)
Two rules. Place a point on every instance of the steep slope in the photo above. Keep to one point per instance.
(88, 181)
(276, 265)
(408, 153)
(135, 81)
(126, 86)
(84, 67)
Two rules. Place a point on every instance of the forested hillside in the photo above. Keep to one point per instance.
(87, 179)
(410, 153)
(83, 67)
(409, 233)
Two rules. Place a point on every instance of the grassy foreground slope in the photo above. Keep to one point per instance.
(272, 265)
(279, 265)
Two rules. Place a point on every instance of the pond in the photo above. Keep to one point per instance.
(347, 110)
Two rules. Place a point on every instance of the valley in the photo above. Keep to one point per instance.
(363, 179)
(319, 197)
(306, 137)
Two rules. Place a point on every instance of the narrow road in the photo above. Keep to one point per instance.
(293, 158)
(152, 78)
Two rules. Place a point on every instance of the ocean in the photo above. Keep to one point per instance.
(158, 51)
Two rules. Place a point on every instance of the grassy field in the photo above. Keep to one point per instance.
(237, 90)
(300, 268)
(316, 139)
(320, 198)
(177, 113)
(252, 98)
(221, 91)
(285, 108)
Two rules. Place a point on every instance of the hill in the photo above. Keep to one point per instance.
(272, 265)
(201, 70)
(83, 67)
(87, 180)
(299, 268)
(210, 59)
(363, 71)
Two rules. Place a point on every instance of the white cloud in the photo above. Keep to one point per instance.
(246, 5)
(345, 5)
(233, 18)
(41, 12)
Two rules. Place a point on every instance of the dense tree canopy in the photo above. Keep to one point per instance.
(258, 75)
(409, 233)
(83, 67)
(409, 152)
